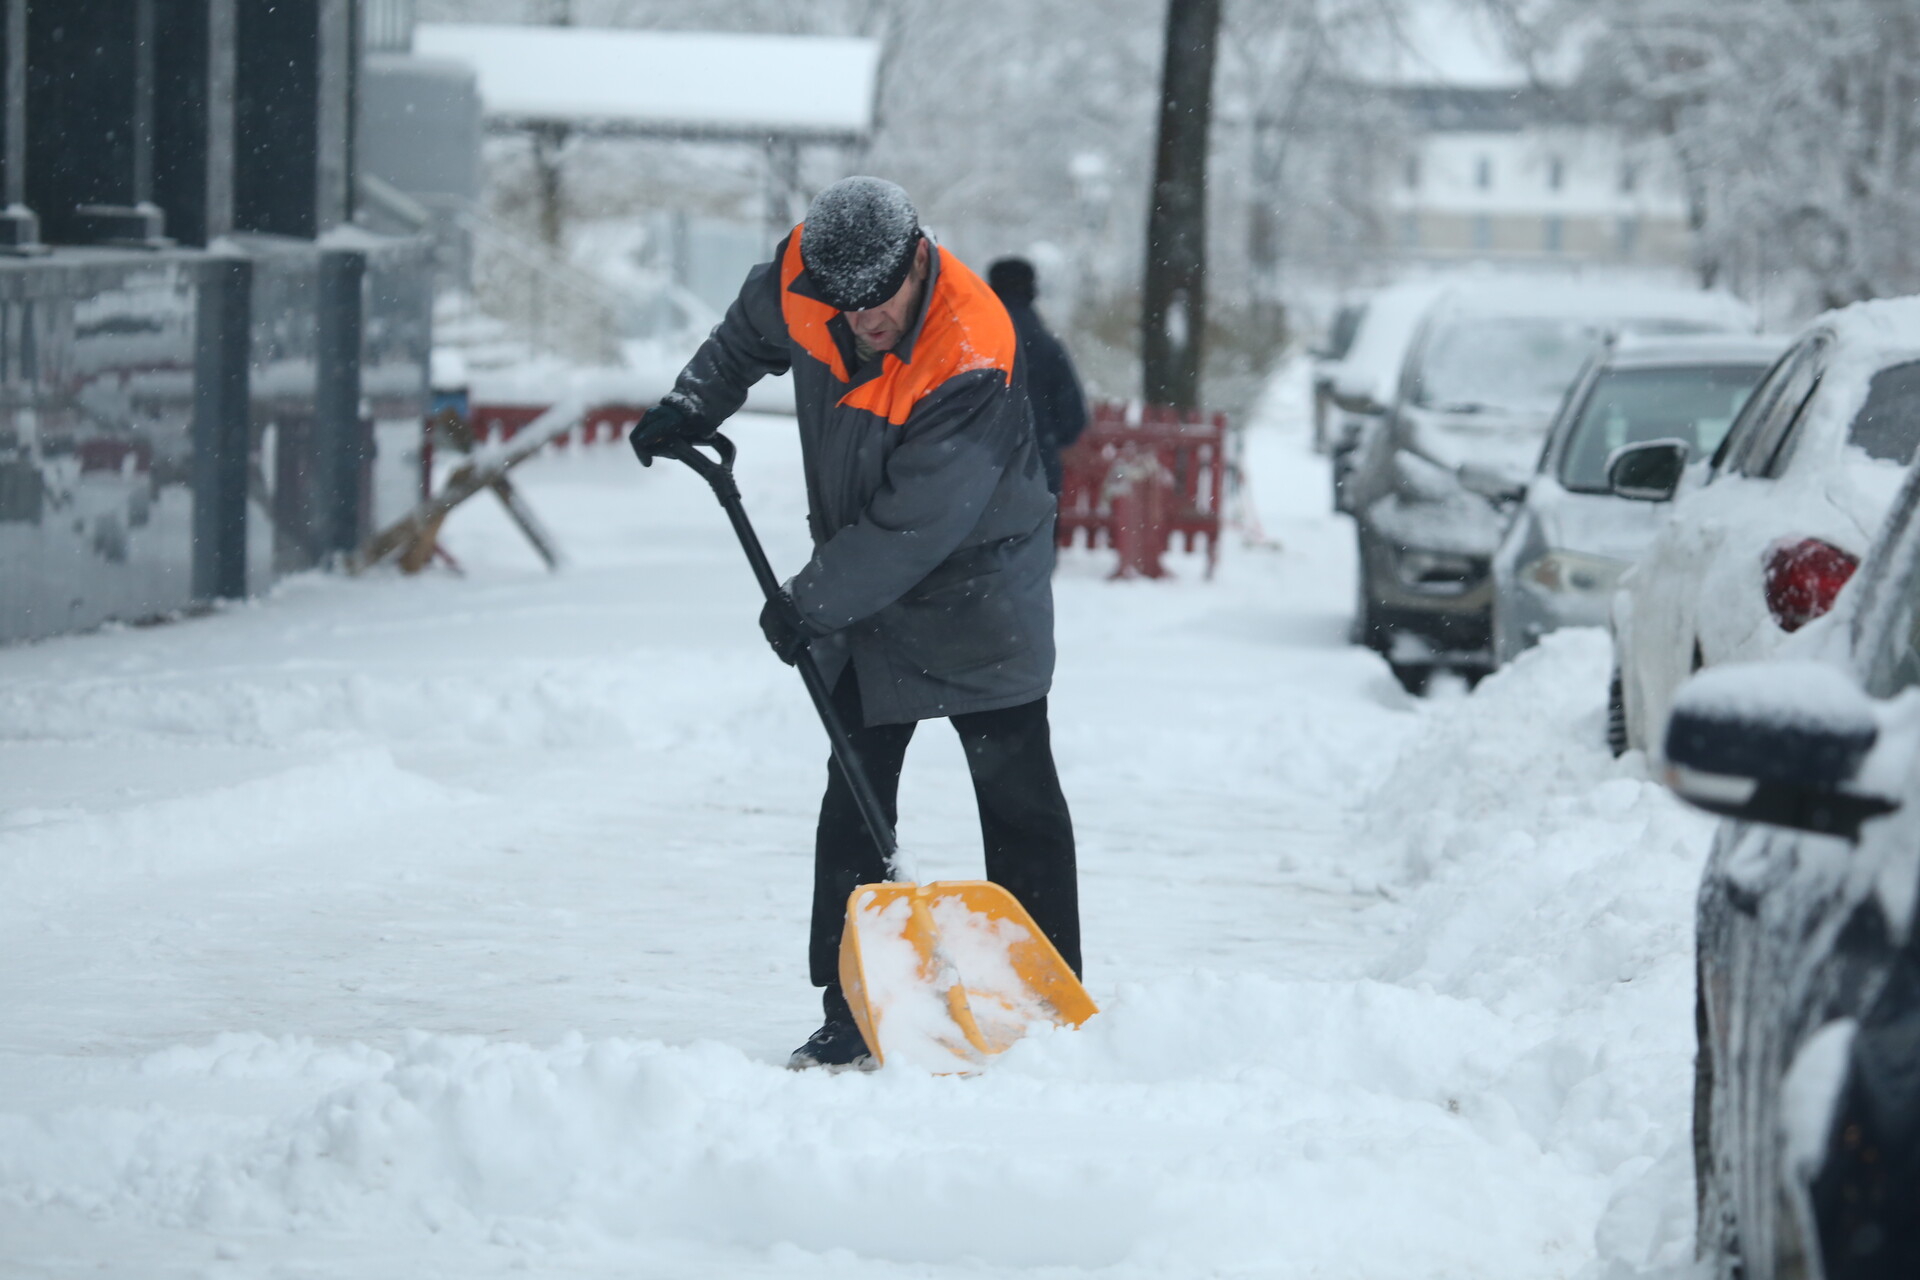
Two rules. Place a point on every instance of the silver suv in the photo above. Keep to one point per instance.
(1477, 390)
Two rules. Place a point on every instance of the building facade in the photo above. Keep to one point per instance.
(209, 375)
(1513, 176)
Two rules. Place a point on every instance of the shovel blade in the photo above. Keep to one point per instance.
(945, 975)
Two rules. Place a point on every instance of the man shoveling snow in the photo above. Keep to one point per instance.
(929, 593)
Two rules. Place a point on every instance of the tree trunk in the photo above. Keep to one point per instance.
(1174, 310)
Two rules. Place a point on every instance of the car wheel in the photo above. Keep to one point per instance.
(1616, 716)
(1366, 629)
(1413, 677)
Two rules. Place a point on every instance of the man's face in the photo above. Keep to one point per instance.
(883, 326)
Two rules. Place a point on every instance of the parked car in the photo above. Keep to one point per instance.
(1478, 386)
(1571, 536)
(1763, 537)
(1806, 1118)
(1361, 387)
(1326, 364)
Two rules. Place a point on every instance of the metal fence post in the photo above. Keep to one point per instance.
(221, 435)
(344, 447)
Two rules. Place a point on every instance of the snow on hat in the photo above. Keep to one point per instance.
(858, 242)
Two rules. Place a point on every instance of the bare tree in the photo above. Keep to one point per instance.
(1173, 313)
(1795, 125)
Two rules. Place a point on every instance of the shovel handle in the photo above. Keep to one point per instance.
(718, 473)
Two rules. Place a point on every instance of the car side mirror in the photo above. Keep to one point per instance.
(1358, 402)
(1491, 483)
(1775, 742)
(1647, 472)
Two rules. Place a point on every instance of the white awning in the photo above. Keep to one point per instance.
(666, 83)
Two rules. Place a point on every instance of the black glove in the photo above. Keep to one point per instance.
(663, 426)
(780, 621)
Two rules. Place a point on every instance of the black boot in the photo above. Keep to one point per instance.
(838, 1044)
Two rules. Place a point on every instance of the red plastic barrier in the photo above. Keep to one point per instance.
(607, 422)
(1141, 476)
(110, 453)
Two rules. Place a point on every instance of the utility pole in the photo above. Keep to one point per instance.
(549, 142)
(1173, 314)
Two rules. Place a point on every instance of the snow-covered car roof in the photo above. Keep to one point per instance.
(1633, 350)
(1372, 364)
(1619, 304)
(1866, 338)
(1884, 324)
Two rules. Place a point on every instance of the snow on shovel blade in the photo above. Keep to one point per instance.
(954, 970)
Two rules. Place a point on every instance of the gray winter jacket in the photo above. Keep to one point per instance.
(932, 524)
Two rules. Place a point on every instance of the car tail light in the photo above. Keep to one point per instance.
(1803, 578)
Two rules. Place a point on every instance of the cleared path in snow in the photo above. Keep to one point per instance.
(395, 927)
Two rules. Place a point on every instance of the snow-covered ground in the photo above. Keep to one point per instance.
(455, 927)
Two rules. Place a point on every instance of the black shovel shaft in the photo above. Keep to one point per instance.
(718, 473)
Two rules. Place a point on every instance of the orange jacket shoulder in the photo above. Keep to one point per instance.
(965, 329)
(807, 318)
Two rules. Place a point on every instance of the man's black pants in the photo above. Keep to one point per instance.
(1023, 821)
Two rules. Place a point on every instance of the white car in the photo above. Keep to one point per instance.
(1571, 537)
(1765, 534)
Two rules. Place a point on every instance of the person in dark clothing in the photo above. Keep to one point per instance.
(1059, 405)
(929, 593)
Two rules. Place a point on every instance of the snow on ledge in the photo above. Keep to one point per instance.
(666, 82)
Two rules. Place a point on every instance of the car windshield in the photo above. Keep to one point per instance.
(1691, 403)
(1888, 424)
(1502, 364)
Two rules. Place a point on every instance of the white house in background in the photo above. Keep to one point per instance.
(1510, 175)
(1500, 168)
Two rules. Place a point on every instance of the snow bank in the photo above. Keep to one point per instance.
(522, 705)
(1536, 875)
(1515, 1073)
(1270, 1115)
(63, 846)
(465, 936)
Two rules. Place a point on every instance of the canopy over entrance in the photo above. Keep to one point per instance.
(666, 84)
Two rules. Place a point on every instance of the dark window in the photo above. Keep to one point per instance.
(1413, 172)
(1483, 173)
(1694, 403)
(1893, 629)
(1556, 173)
(1888, 424)
(1734, 444)
(1756, 436)
(1629, 177)
(1896, 656)
(1774, 436)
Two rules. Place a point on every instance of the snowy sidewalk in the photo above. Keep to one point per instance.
(456, 927)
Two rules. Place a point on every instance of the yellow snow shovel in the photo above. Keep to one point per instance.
(941, 975)
(952, 969)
